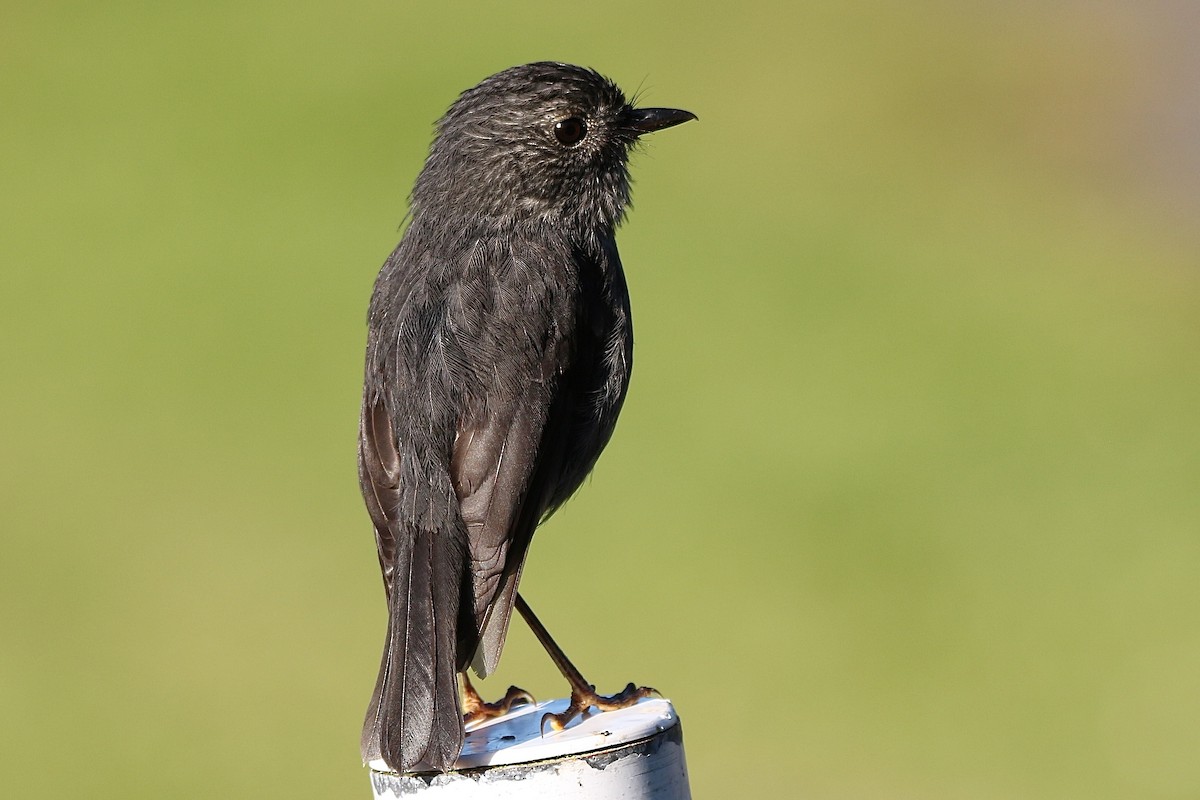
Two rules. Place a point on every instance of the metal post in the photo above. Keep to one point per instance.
(635, 753)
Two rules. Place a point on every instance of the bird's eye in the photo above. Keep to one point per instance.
(570, 131)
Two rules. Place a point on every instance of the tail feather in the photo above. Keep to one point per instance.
(414, 720)
(446, 736)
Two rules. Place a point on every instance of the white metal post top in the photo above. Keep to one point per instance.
(633, 753)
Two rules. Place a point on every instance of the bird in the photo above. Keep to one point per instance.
(499, 352)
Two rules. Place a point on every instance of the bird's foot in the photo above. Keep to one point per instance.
(584, 698)
(475, 709)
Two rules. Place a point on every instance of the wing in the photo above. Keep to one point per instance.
(514, 324)
(495, 458)
(530, 449)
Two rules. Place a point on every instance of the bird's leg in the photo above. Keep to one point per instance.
(583, 694)
(476, 710)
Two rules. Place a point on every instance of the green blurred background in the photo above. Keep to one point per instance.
(905, 499)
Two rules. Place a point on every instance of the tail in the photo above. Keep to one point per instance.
(414, 721)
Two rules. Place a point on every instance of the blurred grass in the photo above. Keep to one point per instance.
(904, 500)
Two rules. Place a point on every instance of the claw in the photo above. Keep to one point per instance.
(475, 709)
(584, 699)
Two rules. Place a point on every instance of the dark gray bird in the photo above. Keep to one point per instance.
(498, 354)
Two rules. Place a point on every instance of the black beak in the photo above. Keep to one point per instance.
(647, 120)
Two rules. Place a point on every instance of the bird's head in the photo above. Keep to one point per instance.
(543, 143)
